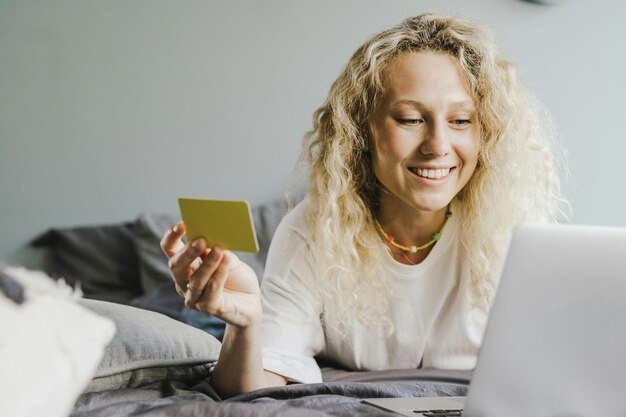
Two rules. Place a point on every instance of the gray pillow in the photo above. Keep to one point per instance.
(149, 229)
(150, 347)
(101, 258)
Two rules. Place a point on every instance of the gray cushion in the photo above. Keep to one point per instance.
(150, 347)
(101, 258)
(149, 229)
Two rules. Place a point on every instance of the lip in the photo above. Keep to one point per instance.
(432, 167)
(431, 182)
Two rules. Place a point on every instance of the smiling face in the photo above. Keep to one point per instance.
(424, 133)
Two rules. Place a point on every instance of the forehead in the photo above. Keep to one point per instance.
(426, 76)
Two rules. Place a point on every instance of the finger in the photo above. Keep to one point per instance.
(217, 284)
(195, 264)
(179, 290)
(171, 242)
(198, 281)
(187, 261)
(182, 287)
(211, 299)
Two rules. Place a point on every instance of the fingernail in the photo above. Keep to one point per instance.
(175, 228)
(196, 245)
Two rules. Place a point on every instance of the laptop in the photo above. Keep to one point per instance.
(555, 342)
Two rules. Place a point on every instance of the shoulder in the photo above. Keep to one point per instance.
(294, 225)
(289, 244)
(289, 266)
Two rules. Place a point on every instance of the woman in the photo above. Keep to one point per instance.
(423, 158)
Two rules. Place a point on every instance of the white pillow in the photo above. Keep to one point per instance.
(50, 347)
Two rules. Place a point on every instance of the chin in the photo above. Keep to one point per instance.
(431, 204)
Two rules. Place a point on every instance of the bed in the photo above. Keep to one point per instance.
(128, 346)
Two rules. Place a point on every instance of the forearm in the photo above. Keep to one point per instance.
(240, 365)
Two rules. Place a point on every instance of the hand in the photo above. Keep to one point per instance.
(212, 280)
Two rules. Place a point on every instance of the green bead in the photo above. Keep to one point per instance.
(437, 236)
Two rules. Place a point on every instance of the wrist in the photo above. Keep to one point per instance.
(242, 335)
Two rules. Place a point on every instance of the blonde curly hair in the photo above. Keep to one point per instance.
(515, 180)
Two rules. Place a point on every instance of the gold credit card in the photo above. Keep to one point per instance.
(224, 223)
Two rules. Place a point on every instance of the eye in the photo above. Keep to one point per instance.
(410, 122)
(461, 122)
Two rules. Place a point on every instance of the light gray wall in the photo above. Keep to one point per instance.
(111, 108)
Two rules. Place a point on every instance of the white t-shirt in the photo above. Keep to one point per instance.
(435, 326)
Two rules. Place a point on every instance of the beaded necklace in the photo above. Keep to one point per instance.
(413, 249)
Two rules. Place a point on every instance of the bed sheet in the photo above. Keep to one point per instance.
(340, 395)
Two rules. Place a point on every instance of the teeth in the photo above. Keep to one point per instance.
(431, 173)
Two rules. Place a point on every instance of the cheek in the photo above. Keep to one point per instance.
(469, 154)
(472, 148)
(383, 151)
(469, 168)
(386, 142)
(395, 148)
(386, 160)
(473, 154)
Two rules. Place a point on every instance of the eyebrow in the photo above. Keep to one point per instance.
(457, 104)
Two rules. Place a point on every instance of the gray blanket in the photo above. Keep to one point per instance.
(340, 396)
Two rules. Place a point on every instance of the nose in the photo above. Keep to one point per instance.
(436, 142)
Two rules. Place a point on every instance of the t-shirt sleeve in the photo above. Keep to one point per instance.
(292, 332)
